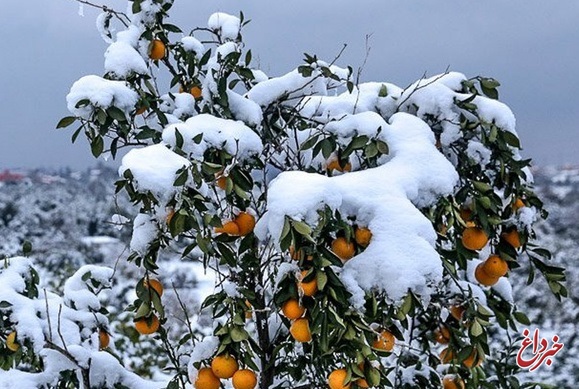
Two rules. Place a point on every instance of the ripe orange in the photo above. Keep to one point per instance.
(451, 381)
(104, 339)
(495, 266)
(292, 309)
(206, 379)
(309, 288)
(363, 236)
(442, 335)
(512, 238)
(446, 355)
(229, 228)
(466, 214)
(474, 238)
(11, 342)
(196, 92)
(147, 326)
(221, 181)
(335, 165)
(343, 249)
(483, 278)
(518, 204)
(154, 284)
(245, 222)
(157, 50)
(362, 383)
(244, 379)
(473, 360)
(300, 330)
(224, 366)
(457, 311)
(336, 379)
(385, 341)
(141, 110)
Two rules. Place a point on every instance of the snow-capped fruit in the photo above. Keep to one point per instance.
(11, 342)
(245, 222)
(337, 378)
(244, 379)
(512, 237)
(451, 381)
(343, 249)
(147, 325)
(206, 379)
(495, 266)
(224, 366)
(229, 228)
(385, 341)
(300, 330)
(308, 288)
(292, 309)
(157, 49)
(363, 236)
(483, 278)
(474, 238)
(154, 284)
(104, 339)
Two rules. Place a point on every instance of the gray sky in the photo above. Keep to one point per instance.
(530, 46)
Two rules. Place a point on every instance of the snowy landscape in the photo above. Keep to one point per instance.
(302, 230)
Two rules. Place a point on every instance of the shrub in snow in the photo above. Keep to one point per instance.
(350, 225)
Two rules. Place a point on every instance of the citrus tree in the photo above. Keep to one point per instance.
(361, 234)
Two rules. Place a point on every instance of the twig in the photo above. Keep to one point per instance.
(58, 328)
(418, 86)
(119, 15)
(48, 315)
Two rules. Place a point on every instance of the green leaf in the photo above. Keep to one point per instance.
(66, 121)
(26, 247)
(302, 228)
(476, 329)
(238, 334)
(511, 139)
(97, 146)
(383, 91)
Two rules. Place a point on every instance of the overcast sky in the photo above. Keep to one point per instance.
(530, 46)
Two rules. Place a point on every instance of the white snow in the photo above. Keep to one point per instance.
(232, 136)
(194, 45)
(144, 231)
(227, 26)
(123, 60)
(100, 93)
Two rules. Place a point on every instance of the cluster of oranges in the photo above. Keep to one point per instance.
(148, 325)
(241, 225)
(225, 367)
(345, 249)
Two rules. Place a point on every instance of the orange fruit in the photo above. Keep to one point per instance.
(248, 313)
(300, 330)
(385, 341)
(442, 335)
(244, 379)
(446, 355)
(466, 214)
(292, 309)
(206, 379)
(157, 49)
(196, 92)
(451, 381)
(512, 238)
(224, 366)
(518, 204)
(457, 311)
(473, 360)
(495, 266)
(309, 288)
(147, 326)
(153, 283)
(336, 379)
(11, 342)
(104, 339)
(245, 222)
(362, 383)
(170, 215)
(343, 249)
(229, 228)
(483, 278)
(362, 236)
(335, 165)
(141, 110)
(474, 238)
(221, 181)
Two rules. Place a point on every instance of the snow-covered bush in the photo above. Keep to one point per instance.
(355, 229)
